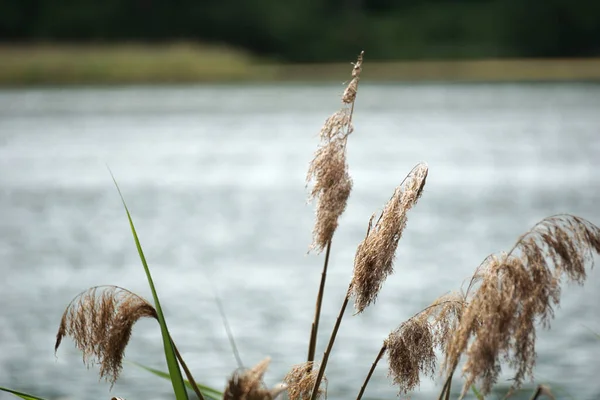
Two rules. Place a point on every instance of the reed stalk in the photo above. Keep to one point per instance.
(315, 325)
(338, 321)
(373, 366)
(188, 374)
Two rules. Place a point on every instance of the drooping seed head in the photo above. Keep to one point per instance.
(100, 321)
(411, 347)
(410, 351)
(514, 291)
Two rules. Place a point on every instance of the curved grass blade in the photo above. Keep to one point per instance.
(476, 392)
(174, 371)
(20, 394)
(208, 392)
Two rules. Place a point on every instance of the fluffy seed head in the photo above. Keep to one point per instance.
(350, 92)
(375, 254)
(329, 171)
(301, 380)
(410, 353)
(248, 384)
(411, 347)
(100, 321)
(515, 290)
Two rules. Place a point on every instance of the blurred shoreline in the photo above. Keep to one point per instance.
(100, 64)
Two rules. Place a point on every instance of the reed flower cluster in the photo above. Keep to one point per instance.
(300, 381)
(248, 384)
(375, 254)
(493, 323)
(511, 292)
(328, 170)
(100, 321)
(411, 347)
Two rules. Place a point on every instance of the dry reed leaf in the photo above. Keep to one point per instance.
(301, 380)
(100, 321)
(411, 347)
(375, 254)
(329, 170)
(248, 384)
(515, 290)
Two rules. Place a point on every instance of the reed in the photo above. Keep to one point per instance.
(492, 323)
(328, 171)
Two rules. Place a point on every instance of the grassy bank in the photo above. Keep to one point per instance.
(46, 64)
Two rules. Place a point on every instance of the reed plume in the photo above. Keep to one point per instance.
(411, 347)
(248, 384)
(301, 380)
(375, 254)
(515, 290)
(332, 185)
(329, 170)
(374, 259)
(100, 321)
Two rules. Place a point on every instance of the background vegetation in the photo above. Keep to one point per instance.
(315, 30)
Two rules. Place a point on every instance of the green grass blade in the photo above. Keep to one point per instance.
(476, 392)
(21, 394)
(207, 391)
(174, 371)
(592, 331)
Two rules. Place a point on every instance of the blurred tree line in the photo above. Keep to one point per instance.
(322, 30)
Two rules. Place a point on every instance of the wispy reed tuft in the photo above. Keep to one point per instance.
(301, 380)
(375, 254)
(515, 290)
(100, 321)
(411, 347)
(329, 170)
(248, 384)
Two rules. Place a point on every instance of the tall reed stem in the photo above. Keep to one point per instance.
(187, 372)
(447, 385)
(321, 372)
(315, 325)
(364, 386)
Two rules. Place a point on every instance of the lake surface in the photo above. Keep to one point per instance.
(215, 180)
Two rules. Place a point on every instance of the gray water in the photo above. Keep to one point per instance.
(214, 178)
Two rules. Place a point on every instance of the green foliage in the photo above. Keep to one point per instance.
(20, 394)
(174, 371)
(313, 30)
(208, 392)
(476, 393)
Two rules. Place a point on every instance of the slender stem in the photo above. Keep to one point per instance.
(540, 391)
(187, 372)
(321, 372)
(449, 389)
(234, 348)
(315, 325)
(446, 388)
(364, 386)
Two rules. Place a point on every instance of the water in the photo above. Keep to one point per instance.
(214, 177)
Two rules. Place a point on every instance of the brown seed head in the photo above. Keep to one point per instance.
(100, 321)
(248, 384)
(375, 254)
(410, 353)
(301, 380)
(329, 171)
(350, 92)
(514, 290)
(411, 347)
